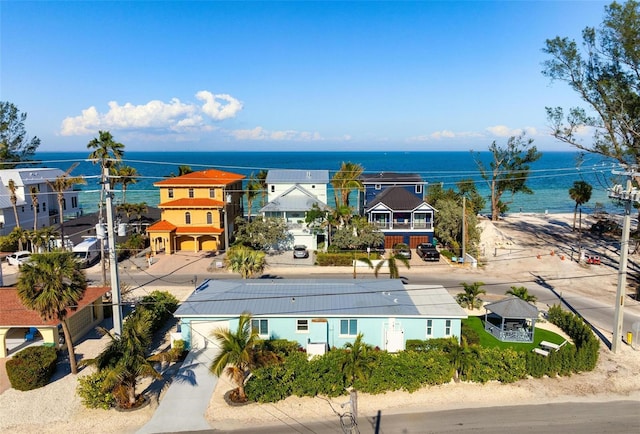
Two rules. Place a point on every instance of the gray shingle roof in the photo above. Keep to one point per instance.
(513, 307)
(313, 297)
(295, 176)
(396, 198)
(391, 178)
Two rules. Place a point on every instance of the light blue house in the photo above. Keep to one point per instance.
(322, 313)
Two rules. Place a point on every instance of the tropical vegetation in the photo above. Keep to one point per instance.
(522, 293)
(245, 261)
(581, 194)
(52, 284)
(15, 145)
(470, 298)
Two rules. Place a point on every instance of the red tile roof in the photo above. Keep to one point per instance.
(210, 177)
(162, 225)
(193, 203)
(14, 314)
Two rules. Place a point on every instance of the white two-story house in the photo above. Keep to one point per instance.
(46, 211)
(290, 194)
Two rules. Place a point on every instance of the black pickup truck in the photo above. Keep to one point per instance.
(427, 252)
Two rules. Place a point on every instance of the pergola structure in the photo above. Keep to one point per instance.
(511, 320)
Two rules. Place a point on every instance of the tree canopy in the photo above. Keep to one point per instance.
(15, 146)
(508, 171)
(605, 73)
(262, 234)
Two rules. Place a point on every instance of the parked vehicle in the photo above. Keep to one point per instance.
(427, 252)
(300, 252)
(88, 252)
(402, 250)
(19, 258)
(379, 249)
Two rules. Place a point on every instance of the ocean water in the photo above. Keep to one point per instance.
(550, 178)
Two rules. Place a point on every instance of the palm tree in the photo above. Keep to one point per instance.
(107, 152)
(60, 185)
(581, 194)
(345, 180)
(51, 284)
(392, 262)
(20, 236)
(463, 358)
(522, 293)
(469, 298)
(262, 180)
(48, 233)
(13, 188)
(124, 175)
(125, 358)
(357, 361)
(237, 352)
(246, 261)
(33, 191)
(253, 190)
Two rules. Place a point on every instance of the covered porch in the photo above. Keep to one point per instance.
(511, 320)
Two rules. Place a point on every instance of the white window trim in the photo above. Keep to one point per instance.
(298, 330)
(348, 335)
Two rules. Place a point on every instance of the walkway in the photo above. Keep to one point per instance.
(184, 405)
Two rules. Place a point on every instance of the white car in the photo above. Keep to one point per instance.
(19, 258)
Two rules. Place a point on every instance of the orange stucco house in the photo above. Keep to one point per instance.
(194, 209)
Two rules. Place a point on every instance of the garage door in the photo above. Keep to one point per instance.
(415, 240)
(201, 333)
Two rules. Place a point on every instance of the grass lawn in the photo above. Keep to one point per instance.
(488, 340)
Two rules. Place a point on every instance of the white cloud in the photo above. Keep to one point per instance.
(261, 134)
(219, 107)
(444, 134)
(173, 116)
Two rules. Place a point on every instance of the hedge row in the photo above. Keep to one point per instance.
(425, 362)
(32, 367)
(342, 259)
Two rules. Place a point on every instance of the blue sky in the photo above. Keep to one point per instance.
(278, 76)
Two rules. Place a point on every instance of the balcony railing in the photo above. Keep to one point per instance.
(520, 334)
(403, 225)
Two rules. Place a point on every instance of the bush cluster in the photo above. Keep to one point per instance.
(32, 367)
(161, 305)
(343, 259)
(93, 393)
(424, 362)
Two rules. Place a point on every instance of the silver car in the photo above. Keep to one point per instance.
(300, 252)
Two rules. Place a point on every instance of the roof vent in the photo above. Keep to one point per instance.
(308, 174)
(395, 300)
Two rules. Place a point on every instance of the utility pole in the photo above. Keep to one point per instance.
(628, 196)
(464, 227)
(113, 260)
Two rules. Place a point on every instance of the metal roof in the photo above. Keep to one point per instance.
(295, 198)
(295, 176)
(513, 307)
(314, 297)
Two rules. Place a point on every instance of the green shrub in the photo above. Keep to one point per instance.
(498, 364)
(8, 244)
(444, 344)
(587, 345)
(32, 367)
(282, 347)
(93, 392)
(470, 334)
(161, 305)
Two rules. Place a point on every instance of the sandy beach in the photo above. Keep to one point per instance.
(513, 248)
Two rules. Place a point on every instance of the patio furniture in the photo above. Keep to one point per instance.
(541, 352)
(551, 346)
(31, 334)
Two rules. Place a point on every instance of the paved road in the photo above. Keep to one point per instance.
(574, 417)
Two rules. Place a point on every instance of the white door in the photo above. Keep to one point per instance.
(201, 333)
(394, 341)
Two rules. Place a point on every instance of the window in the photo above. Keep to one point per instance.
(447, 327)
(64, 204)
(429, 328)
(273, 189)
(187, 218)
(349, 327)
(191, 193)
(302, 325)
(212, 192)
(209, 218)
(261, 326)
(419, 188)
(170, 193)
(44, 206)
(74, 202)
